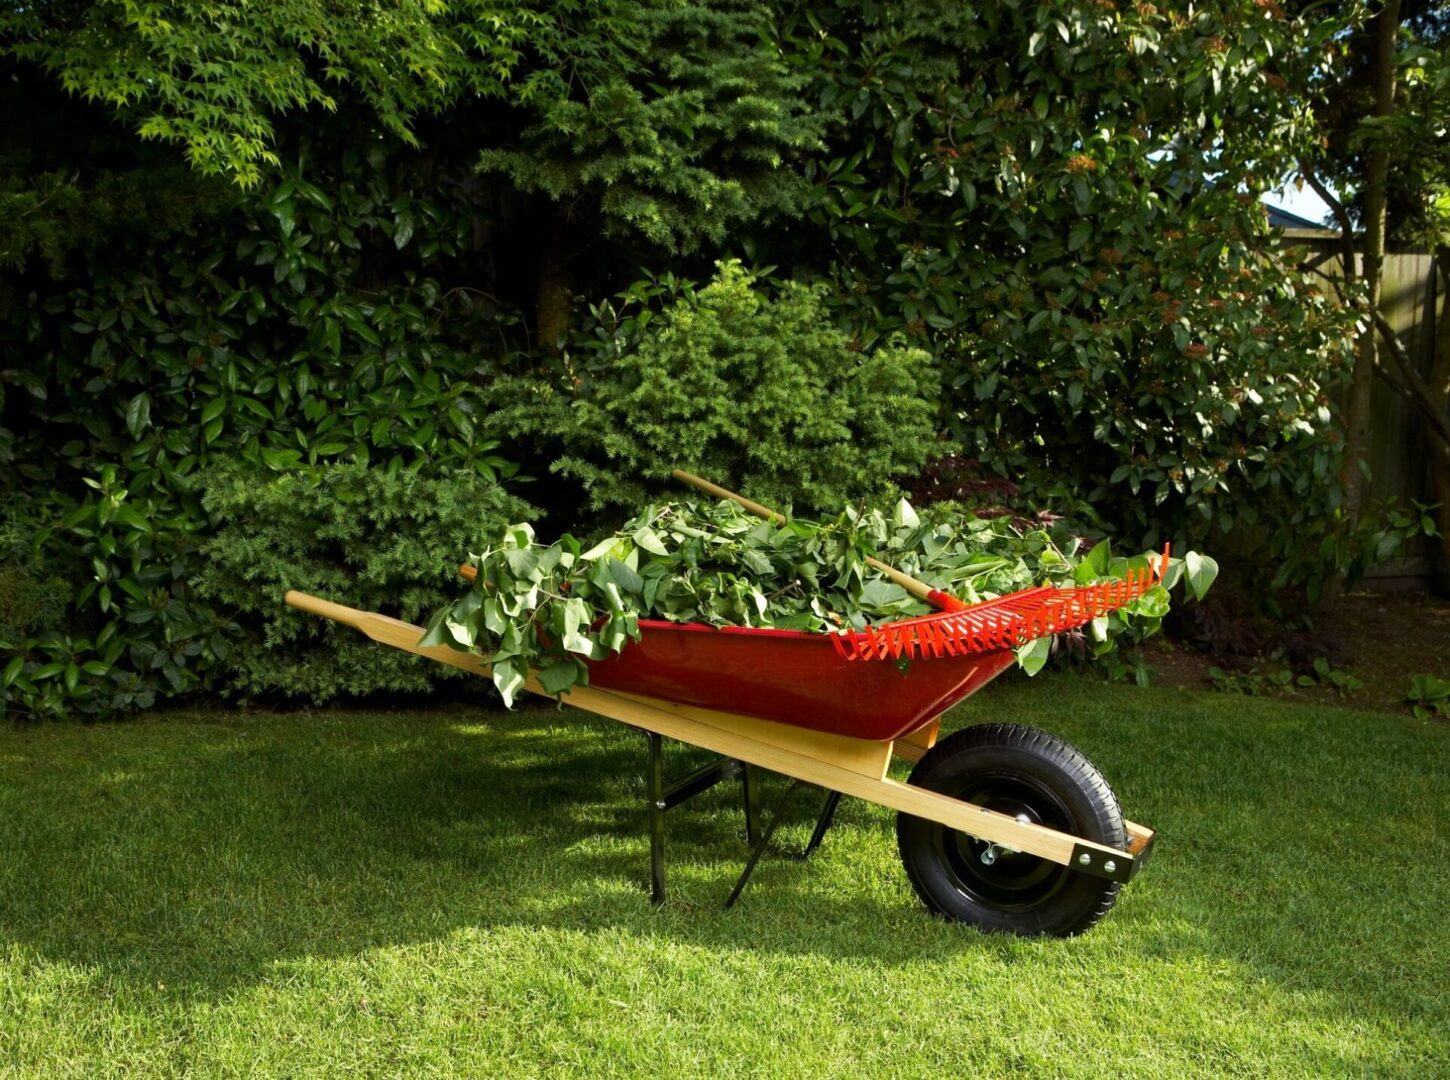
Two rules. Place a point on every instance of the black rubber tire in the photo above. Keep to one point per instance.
(1014, 769)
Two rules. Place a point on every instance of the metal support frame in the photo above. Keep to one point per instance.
(1087, 861)
(665, 797)
(758, 848)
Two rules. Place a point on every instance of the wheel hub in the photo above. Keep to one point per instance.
(997, 874)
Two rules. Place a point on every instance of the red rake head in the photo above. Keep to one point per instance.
(1004, 623)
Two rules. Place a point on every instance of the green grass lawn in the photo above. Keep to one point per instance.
(463, 891)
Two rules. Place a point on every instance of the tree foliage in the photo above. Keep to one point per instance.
(677, 131)
(1063, 200)
(1383, 111)
(287, 329)
(214, 76)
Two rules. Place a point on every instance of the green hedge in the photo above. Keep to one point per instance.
(378, 539)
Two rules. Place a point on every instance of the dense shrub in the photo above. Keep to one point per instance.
(758, 391)
(300, 325)
(379, 539)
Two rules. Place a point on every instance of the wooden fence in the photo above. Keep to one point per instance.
(1399, 454)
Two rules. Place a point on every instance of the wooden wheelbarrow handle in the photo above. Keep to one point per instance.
(919, 589)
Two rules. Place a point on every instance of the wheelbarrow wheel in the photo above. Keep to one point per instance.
(1030, 775)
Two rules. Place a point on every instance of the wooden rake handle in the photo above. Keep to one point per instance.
(919, 589)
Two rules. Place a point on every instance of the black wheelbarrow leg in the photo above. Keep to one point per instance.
(750, 792)
(760, 845)
(656, 781)
(828, 815)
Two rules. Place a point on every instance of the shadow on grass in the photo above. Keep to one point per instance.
(202, 854)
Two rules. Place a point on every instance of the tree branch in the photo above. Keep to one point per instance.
(1403, 379)
(1341, 215)
(1336, 207)
(1334, 281)
(1422, 396)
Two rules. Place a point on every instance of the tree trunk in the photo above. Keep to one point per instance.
(1384, 30)
(555, 297)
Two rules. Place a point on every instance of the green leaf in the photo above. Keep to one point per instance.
(649, 540)
(878, 594)
(559, 676)
(437, 632)
(1153, 604)
(523, 563)
(604, 547)
(1033, 656)
(132, 518)
(460, 623)
(281, 460)
(509, 679)
(628, 581)
(1201, 572)
(138, 415)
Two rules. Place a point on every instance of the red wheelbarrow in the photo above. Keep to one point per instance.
(999, 825)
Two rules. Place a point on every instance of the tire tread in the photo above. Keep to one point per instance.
(1063, 755)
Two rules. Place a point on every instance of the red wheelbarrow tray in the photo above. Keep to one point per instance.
(828, 709)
